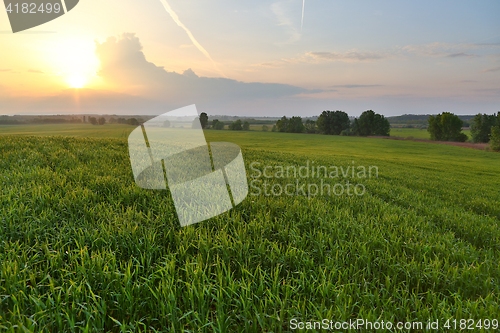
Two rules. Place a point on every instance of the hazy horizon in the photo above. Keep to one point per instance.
(208, 114)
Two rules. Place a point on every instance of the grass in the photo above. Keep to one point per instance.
(82, 248)
(122, 131)
(70, 130)
(417, 133)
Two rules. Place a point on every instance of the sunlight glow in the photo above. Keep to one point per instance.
(76, 81)
(73, 59)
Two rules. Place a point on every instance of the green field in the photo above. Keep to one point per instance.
(122, 131)
(82, 248)
(72, 130)
(416, 133)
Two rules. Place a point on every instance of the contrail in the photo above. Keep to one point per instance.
(303, 7)
(176, 19)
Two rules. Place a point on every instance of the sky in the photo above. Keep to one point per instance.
(256, 58)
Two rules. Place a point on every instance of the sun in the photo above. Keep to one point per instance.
(76, 81)
(73, 59)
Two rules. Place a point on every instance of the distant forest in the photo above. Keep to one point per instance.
(419, 120)
(404, 121)
(66, 119)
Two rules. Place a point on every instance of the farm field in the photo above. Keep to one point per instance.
(71, 130)
(82, 248)
(122, 131)
(416, 133)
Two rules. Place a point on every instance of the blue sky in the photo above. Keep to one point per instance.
(254, 58)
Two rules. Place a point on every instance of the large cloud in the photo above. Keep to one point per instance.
(345, 56)
(123, 63)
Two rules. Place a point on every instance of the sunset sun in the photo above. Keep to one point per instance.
(73, 60)
(76, 81)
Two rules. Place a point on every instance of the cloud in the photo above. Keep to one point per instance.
(460, 55)
(35, 71)
(491, 70)
(351, 86)
(431, 49)
(144, 88)
(124, 64)
(279, 9)
(195, 42)
(490, 91)
(322, 57)
(487, 44)
(436, 49)
(450, 50)
(345, 56)
(271, 64)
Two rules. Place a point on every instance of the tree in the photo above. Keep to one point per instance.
(355, 127)
(133, 122)
(310, 126)
(93, 120)
(166, 124)
(236, 125)
(265, 128)
(333, 122)
(101, 121)
(218, 125)
(480, 128)
(495, 138)
(346, 132)
(203, 120)
(381, 126)
(289, 125)
(282, 124)
(295, 125)
(435, 129)
(371, 123)
(446, 127)
(246, 126)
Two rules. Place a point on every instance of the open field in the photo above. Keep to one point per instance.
(82, 248)
(122, 131)
(71, 130)
(416, 133)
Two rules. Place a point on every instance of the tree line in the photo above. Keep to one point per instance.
(125, 121)
(445, 126)
(337, 123)
(328, 122)
(216, 124)
(484, 128)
